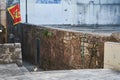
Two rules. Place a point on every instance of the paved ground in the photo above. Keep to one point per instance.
(12, 72)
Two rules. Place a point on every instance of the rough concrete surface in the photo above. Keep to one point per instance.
(12, 72)
(70, 75)
(7, 70)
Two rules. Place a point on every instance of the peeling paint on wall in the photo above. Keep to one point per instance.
(101, 12)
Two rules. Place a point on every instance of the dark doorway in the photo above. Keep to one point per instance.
(37, 51)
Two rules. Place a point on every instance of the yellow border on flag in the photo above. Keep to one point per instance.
(10, 12)
(16, 23)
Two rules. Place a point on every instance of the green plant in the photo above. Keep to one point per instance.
(47, 33)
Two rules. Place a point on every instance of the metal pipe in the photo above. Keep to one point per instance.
(0, 12)
(26, 12)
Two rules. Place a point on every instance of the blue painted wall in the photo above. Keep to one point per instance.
(48, 13)
(48, 1)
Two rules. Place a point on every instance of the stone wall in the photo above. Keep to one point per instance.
(10, 53)
(3, 12)
(3, 21)
(62, 49)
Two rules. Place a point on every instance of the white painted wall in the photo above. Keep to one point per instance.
(99, 1)
(103, 12)
(62, 13)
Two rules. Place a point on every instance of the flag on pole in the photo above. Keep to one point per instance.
(15, 13)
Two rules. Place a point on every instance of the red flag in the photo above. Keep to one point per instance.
(15, 13)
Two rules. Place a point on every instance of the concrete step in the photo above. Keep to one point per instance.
(13, 72)
(97, 74)
(24, 69)
(7, 70)
(31, 67)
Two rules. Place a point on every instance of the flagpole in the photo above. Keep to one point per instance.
(26, 12)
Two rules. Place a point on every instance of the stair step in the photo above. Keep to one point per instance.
(7, 70)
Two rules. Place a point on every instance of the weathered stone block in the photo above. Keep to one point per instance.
(12, 49)
(112, 55)
(10, 53)
(116, 36)
(8, 45)
(17, 45)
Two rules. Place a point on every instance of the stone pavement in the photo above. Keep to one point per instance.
(12, 72)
